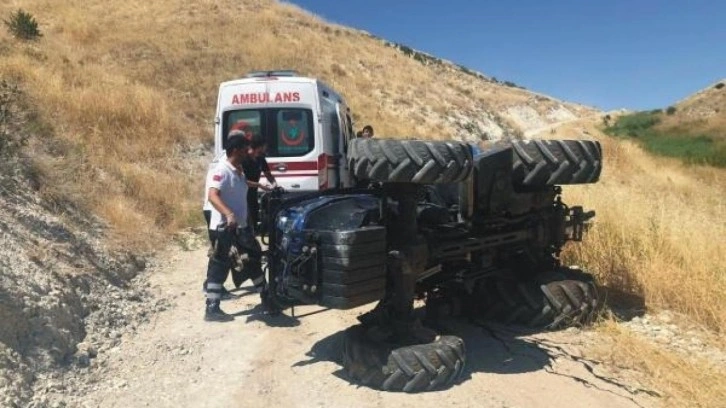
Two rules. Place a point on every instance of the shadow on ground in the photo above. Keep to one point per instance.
(623, 305)
(490, 348)
(258, 314)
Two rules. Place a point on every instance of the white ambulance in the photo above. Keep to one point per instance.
(306, 123)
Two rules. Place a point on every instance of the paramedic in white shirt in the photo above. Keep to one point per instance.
(227, 193)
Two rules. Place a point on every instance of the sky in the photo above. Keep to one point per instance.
(638, 54)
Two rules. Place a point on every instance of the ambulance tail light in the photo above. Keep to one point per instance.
(323, 181)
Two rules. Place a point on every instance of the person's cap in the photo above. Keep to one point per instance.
(237, 142)
(257, 141)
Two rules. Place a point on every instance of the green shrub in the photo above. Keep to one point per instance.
(671, 110)
(406, 50)
(513, 85)
(633, 125)
(23, 25)
(719, 85)
(469, 72)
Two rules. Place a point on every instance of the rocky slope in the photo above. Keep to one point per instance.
(706, 103)
(61, 288)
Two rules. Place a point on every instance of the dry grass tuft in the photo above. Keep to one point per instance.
(659, 230)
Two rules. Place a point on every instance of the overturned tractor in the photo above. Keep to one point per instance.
(470, 234)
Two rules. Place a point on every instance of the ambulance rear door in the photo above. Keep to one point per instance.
(284, 110)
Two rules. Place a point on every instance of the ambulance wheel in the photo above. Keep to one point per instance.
(409, 161)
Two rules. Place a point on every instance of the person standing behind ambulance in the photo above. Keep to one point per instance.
(367, 132)
(254, 165)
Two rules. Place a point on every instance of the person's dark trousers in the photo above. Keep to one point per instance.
(253, 208)
(248, 244)
(212, 238)
(217, 270)
(220, 262)
(208, 219)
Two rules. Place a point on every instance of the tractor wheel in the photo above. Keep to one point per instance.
(553, 300)
(409, 161)
(539, 163)
(415, 368)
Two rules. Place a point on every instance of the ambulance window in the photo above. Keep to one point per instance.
(248, 121)
(293, 133)
(332, 123)
(334, 129)
(289, 132)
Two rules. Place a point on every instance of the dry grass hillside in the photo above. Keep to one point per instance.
(703, 112)
(126, 90)
(124, 93)
(693, 130)
(130, 87)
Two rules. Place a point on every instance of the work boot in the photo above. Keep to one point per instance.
(214, 314)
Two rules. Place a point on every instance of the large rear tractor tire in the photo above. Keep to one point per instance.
(416, 368)
(539, 163)
(553, 300)
(409, 161)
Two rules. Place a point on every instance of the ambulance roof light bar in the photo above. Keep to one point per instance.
(280, 73)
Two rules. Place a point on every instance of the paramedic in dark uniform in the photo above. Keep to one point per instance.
(228, 224)
(254, 165)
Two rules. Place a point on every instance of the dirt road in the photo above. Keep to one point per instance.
(178, 360)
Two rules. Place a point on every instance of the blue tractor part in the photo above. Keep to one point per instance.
(328, 250)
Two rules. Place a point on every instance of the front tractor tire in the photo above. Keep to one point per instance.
(415, 368)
